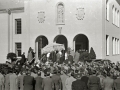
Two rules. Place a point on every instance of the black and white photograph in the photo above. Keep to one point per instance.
(59, 44)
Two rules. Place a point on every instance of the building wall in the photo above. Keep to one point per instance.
(3, 36)
(91, 25)
(113, 31)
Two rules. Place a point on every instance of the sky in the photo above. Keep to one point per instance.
(6, 4)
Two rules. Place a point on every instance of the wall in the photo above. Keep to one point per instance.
(91, 25)
(112, 30)
(3, 36)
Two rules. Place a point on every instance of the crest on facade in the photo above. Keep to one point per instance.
(80, 13)
(41, 17)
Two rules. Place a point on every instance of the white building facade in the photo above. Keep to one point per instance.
(78, 24)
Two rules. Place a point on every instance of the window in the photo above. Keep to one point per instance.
(107, 45)
(113, 12)
(60, 14)
(18, 49)
(18, 26)
(118, 18)
(107, 10)
(113, 45)
(118, 46)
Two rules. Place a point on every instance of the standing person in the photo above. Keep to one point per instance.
(7, 79)
(85, 79)
(63, 79)
(117, 83)
(69, 80)
(47, 83)
(28, 81)
(57, 80)
(58, 56)
(70, 59)
(76, 58)
(94, 82)
(13, 81)
(108, 83)
(30, 56)
(20, 80)
(38, 82)
(1, 81)
(79, 84)
(23, 59)
(72, 53)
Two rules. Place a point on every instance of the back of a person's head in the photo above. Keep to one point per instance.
(94, 72)
(39, 73)
(55, 72)
(72, 74)
(28, 72)
(59, 72)
(108, 74)
(48, 74)
(76, 71)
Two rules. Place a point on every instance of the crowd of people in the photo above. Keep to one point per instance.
(63, 72)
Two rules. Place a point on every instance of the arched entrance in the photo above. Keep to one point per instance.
(40, 42)
(61, 39)
(81, 42)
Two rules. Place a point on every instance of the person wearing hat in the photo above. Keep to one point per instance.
(7, 79)
(57, 80)
(63, 79)
(20, 80)
(79, 84)
(108, 82)
(69, 80)
(1, 81)
(47, 83)
(117, 82)
(13, 80)
(94, 82)
(28, 81)
(38, 81)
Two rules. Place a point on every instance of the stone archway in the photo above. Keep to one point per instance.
(61, 39)
(40, 42)
(81, 42)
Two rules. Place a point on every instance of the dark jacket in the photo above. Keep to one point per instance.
(38, 83)
(79, 85)
(57, 81)
(85, 79)
(117, 84)
(28, 82)
(47, 84)
(94, 83)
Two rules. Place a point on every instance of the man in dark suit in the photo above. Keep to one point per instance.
(117, 83)
(70, 59)
(47, 83)
(57, 80)
(28, 81)
(20, 80)
(79, 84)
(85, 79)
(38, 82)
(94, 82)
(23, 59)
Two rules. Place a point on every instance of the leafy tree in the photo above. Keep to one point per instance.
(92, 54)
(12, 56)
(84, 56)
